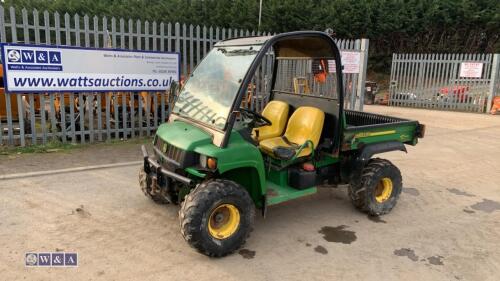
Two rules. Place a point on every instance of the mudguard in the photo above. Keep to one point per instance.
(367, 151)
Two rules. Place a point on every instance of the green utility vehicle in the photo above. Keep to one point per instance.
(221, 158)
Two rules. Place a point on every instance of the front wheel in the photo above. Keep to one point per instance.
(217, 217)
(378, 190)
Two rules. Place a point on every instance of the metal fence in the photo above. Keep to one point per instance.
(434, 81)
(75, 117)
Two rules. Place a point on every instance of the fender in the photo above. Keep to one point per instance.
(250, 177)
(367, 151)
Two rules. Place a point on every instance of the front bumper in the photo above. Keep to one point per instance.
(153, 167)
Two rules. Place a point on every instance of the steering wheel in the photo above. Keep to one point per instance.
(257, 120)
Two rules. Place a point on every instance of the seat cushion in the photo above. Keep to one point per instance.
(305, 124)
(277, 113)
(267, 146)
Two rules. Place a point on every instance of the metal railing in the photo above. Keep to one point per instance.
(434, 81)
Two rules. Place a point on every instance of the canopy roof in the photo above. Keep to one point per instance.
(244, 41)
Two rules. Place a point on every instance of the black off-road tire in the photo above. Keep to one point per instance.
(195, 211)
(146, 189)
(362, 192)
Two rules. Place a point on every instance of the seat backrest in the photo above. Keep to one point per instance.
(306, 123)
(277, 113)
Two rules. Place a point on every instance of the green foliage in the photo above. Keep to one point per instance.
(391, 25)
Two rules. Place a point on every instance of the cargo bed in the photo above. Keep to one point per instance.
(366, 128)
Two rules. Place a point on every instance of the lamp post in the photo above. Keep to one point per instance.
(260, 14)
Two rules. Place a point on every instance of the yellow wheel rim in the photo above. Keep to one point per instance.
(384, 190)
(224, 221)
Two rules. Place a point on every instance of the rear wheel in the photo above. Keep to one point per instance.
(378, 190)
(217, 217)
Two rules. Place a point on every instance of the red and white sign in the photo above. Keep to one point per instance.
(350, 61)
(471, 69)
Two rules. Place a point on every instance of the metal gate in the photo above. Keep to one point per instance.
(440, 81)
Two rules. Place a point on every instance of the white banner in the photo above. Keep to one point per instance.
(350, 61)
(31, 68)
(471, 69)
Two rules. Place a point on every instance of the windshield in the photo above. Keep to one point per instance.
(210, 91)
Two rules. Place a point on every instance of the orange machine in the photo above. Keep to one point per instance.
(3, 101)
(495, 109)
(3, 105)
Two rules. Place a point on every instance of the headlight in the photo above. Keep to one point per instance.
(208, 162)
(203, 161)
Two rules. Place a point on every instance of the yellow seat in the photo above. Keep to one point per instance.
(306, 123)
(277, 113)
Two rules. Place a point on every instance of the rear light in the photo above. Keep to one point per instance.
(420, 130)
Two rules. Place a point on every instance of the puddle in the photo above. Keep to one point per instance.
(338, 234)
(468, 211)
(376, 219)
(435, 260)
(488, 206)
(406, 252)
(321, 250)
(411, 191)
(247, 254)
(460, 192)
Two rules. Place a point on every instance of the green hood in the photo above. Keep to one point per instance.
(183, 135)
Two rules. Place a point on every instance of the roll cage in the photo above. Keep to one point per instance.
(298, 44)
(255, 64)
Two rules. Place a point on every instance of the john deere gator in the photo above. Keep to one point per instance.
(221, 158)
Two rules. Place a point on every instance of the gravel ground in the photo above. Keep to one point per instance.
(446, 225)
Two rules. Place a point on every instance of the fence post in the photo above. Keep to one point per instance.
(362, 72)
(3, 37)
(493, 80)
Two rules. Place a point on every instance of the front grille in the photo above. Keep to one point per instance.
(174, 153)
(174, 157)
